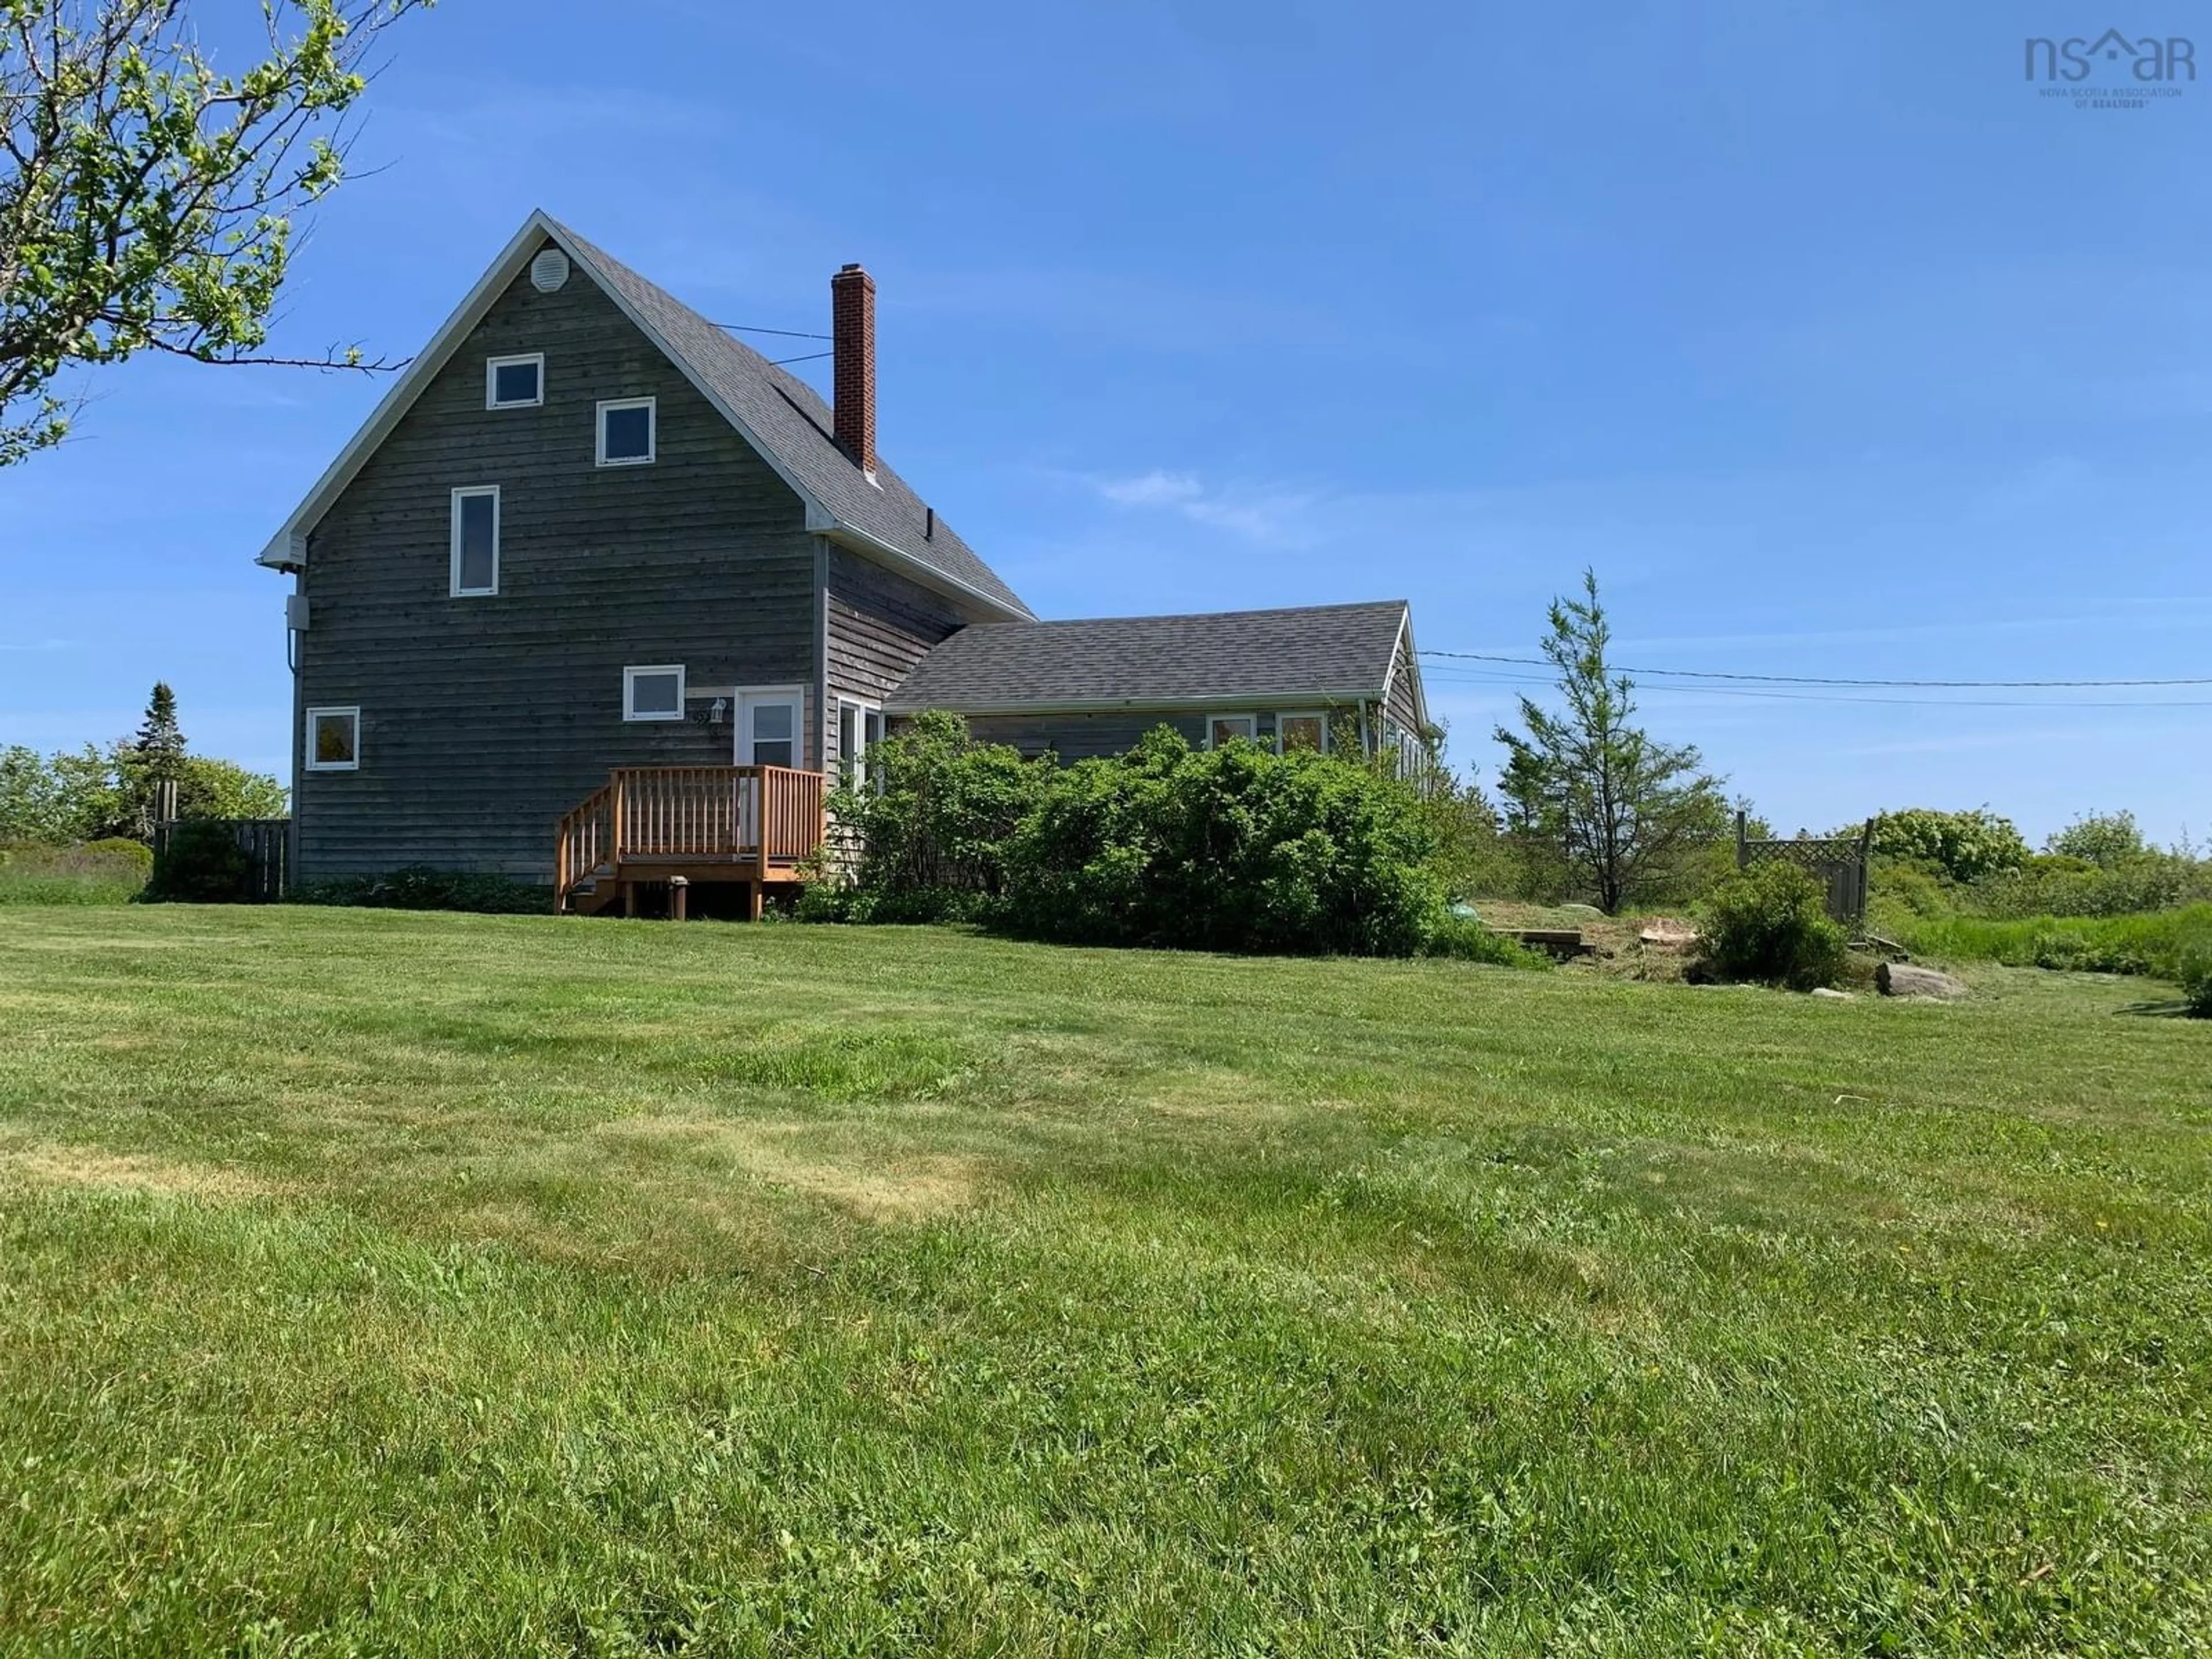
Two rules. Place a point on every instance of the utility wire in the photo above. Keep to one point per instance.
(788, 333)
(1814, 679)
(1447, 677)
(778, 362)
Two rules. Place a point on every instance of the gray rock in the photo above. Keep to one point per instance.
(1899, 979)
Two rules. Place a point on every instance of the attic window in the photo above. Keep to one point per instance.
(626, 431)
(514, 382)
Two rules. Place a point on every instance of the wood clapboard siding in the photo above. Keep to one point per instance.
(482, 719)
(878, 625)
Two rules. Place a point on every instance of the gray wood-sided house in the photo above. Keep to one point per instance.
(600, 596)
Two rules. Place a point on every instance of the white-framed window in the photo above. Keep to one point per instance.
(767, 726)
(333, 740)
(476, 541)
(653, 693)
(1302, 728)
(859, 729)
(627, 433)
(1227, 728)
(514, 382)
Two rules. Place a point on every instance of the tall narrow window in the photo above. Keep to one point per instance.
(514, 382)
(476, 541)
(333, 740)
(626, 431)
(654, 694)
(859, 729)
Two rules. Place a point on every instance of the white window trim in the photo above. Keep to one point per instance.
(1251, 725)
(1282, 714)
(352, 712)
(629, 690)
(650, 406)
(454, 587)
(741, 701)
(492, 367)
(866, 708)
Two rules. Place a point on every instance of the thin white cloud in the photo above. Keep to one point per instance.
(1273, 515)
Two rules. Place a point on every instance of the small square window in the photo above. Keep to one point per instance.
(333, 739)
(654, 694)
(1227, 728)
(626, 431)
(1301, 732)
(514, 382)
(476, 541)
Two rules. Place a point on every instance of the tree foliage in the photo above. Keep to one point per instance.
(147, 199)
(1966, 847)
(1621, 812)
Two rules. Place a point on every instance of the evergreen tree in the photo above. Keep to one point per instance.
(1621, 810)
(159, 748)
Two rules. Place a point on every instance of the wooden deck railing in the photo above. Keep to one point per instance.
(768, 816)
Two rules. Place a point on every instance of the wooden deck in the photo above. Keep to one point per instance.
(649, 825)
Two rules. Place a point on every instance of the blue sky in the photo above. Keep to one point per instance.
(1834, 348)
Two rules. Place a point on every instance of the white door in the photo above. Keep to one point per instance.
(767, 728)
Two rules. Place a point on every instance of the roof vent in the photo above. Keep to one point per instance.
(549, 271)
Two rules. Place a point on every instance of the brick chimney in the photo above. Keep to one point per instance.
(852, 328)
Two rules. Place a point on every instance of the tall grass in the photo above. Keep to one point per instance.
(2157, 943)
(99, 873)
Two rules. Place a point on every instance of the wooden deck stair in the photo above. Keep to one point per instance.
(647, 825)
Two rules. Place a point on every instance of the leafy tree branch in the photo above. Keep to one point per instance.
(146, 199)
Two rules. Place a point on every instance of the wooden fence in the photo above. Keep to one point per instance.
(266, 842)
(1841, 864)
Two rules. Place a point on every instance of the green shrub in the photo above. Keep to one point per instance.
(203, 864)
(1771, 926)
(930, 829)
(1464, 939)
(1236, 848)
(419, 887)
(2195, 976)
(1964, 846)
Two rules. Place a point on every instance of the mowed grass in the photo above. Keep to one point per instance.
(386, 1283)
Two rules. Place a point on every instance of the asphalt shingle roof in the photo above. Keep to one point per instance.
(1327, 652)
(789, 418)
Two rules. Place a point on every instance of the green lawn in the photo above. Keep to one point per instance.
(383, 1283)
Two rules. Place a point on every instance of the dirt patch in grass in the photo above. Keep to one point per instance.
(801, 1158)
(54, 1165)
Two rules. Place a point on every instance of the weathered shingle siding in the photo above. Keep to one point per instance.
(879, 625)
(1082, 737)
(1401, 709)
(484, 719)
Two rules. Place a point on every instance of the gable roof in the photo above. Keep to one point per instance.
(775, 411)
(1325, 653)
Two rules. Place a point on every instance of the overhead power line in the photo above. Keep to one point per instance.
(788, 333)
(1502, 681)
(778, 362)
(1815, 679)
